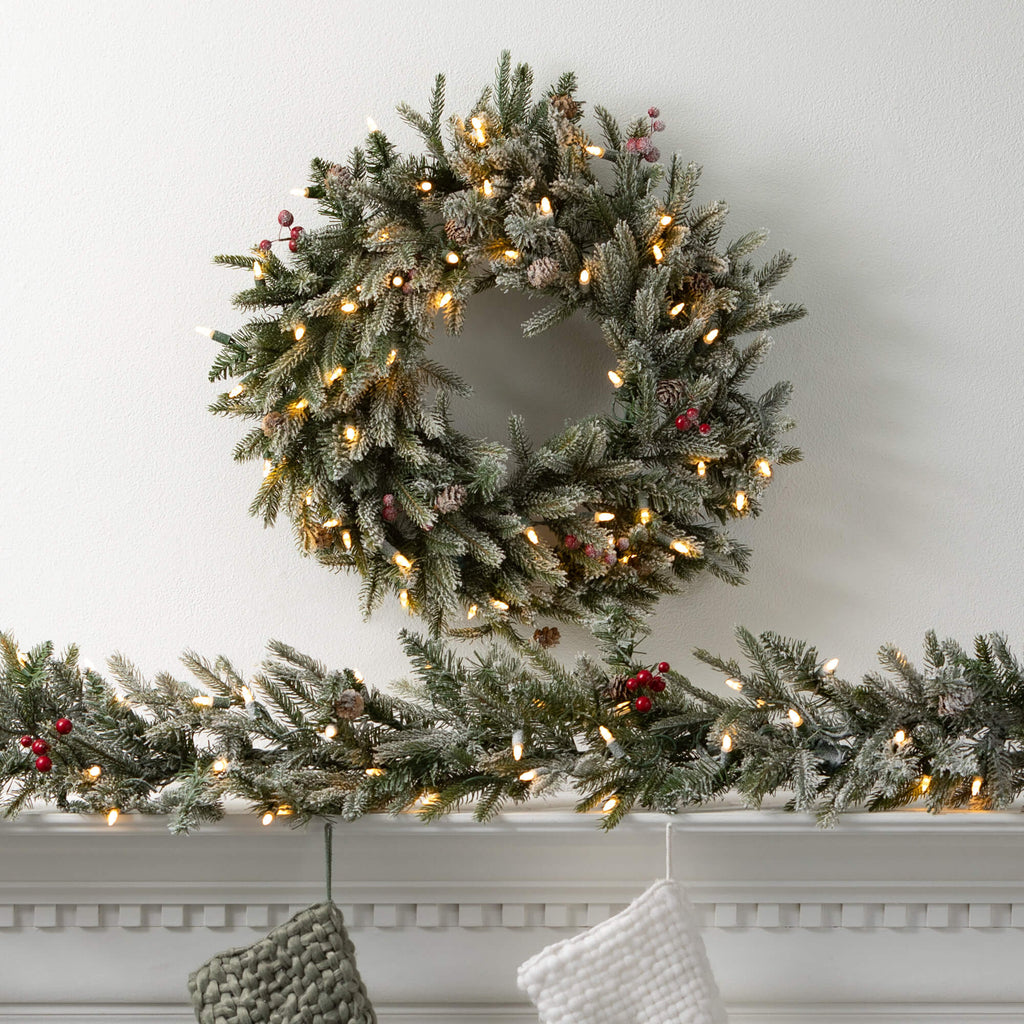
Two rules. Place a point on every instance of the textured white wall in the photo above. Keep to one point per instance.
(880, 143)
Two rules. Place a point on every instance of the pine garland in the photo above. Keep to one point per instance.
(351, 416)
(299, 740)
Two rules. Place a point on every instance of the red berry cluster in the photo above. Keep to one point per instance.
(608, 556)
(291, 235)
(643, 145)
(389, 513)
(647, 680)
(685, 420)
(41, 748)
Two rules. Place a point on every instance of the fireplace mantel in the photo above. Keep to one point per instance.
(898, 916)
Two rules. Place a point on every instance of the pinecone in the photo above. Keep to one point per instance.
(272, 421)
(319, 537)
(547, 636)
(450, 498)
(956, 702)
(616, 690)
(457, 232)
(670, 392)
(543, 272)
(338, 177)
(565, 105)
(349, 705)
(700, 283)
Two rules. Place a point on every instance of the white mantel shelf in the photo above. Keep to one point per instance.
(897, 916)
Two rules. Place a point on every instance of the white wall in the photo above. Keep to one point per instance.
(880, 142)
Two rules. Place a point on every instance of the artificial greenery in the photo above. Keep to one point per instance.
(301, 741)
(351, 416)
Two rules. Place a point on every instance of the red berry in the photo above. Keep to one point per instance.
(43, 764)
(622, 543)
(265, 245)
(590, 551)
(632, 683)
(683, 422)
(284, 218)
(390, 513)
(293, 246)
(571, 542)
(658, 126)
(63, 726)
(693, 414)
(663, 666)
(40, 746)
(657, 684)
(296, 232)
(705, 428)
(653, 112)
(643, 704)
(26, 741)
(644, 677)
(610, 557)
(652, 154)
(388, 499)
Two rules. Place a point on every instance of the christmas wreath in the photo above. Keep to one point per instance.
(351, 416)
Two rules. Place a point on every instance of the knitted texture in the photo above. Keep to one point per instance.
(646, 965)
(303, 972)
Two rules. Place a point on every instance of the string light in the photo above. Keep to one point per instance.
(615, 378)
(332, 523)
(247, 695)
(236, 391)
(926, 781)
(531, 535)
(351, 433)
(976, 785)
(726, 743)
(517, 745)
(401, 561)
(94, 772)
(309, 496)
(257, 270)
(112, 815)
(830, 666)
(371, 124)
(603, 517)
(403, 599)
(203, 700)
(206, 332)
(594, 150)
(658, 254)
(512, 255)
(734, 684)
(301, 404)
(710, 336)
(478, 131)
(330, 731)
(584, 277)
(300, 332)
(346, 539)
(683, 548)
(764, 467)
(425, 186)
(488, 187)
(610, 804)
(795, 717)
(285, 811)
(374, 773)
(444, 300)
(268, 467)
(501, 606)
(702, 468)
(677, 309)
(392, 356)
(302, 193)
(219, 766)
(338, 371)
(645, 516)
(545, 206)
(899, 737)
(665, 219)
(741, 501)
(267, 818)
(398, 280)
(452, 258)
(610, 741)
(471, 611)
(529, 776)
(348, 307)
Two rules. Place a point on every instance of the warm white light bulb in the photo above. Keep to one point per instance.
(658, 254)
(392, 356)
(444, 300)
(351, 433)
(403, 599)
(338, 371)
(302, 193)
(471, 611)
(332, 523)
(584, 276)
(488, 187)
(545, 206)
(710, 336)
(257, 270)
(267, 818)
(528, 776)
(512, 255)
(830, 666)
(664, 220)
(603, 517)
(764, 467)
(531, 535)
(610, 804)
(926, 781)
(645, 516)
(207, 332)
(346, 539)
(702, 468)
(220, 765)
(330, 731)
(300, 332)
(374, 772)
(398, 280)
(606, 734)
(976, 785)
(899, 737)
(94, 772)
(426, 186)
(452, 258)
(795, 717)
(734, 684)
(348, 307)
(741, 501)
(112, 815)
(247, 695)
(501, 606)
(401, 561)
(681, 547)
(594, 150)
(203, 700)
(371, 124)
(677, 309)
(615, 378)
(517, 745)
(726, 742)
